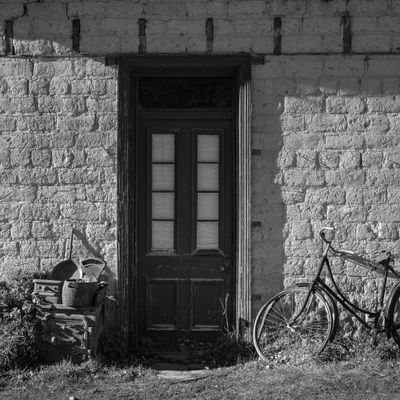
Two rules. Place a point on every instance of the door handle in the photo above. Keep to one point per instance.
(222, 268)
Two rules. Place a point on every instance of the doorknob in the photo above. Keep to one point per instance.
(222, 268)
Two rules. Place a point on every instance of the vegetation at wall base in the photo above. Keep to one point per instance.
(20, 330)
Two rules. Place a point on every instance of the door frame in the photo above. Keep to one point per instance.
(237, 66)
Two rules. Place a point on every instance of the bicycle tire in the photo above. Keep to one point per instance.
(393, 315)
(276, 340)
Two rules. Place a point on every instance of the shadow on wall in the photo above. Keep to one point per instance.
(326, 152)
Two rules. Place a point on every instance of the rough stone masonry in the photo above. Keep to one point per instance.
(325, 123)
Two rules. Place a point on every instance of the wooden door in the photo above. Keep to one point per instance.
(185, 221)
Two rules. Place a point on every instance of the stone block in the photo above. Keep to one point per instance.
(59, 86)
(383, 66)
(41, 157)
(332, 43)
(367, 7)
(186, 27)
(262, 43)
(102, 105)
(104, 44)
(344, 66)
(301, 43)
(54, 27)
(39, 212)
(20, 230)
(84, 122)
(39, 86)
(46, 10)
(37, 176)
(68, 158)
(344, 178)
(232, 43)
(306, 159)
(385, 104)
(22, 27)
(7, 123)
(292, 123)
(371, 86)
(250, 7)
(329, 159)
(332, 8)
(379, 124)
(165, 10)
(346, 214)
(292, 195)
(41, 229)
(3, 86)
(15, 67)
(358, 123)
(100, 157)
(384, 213)
(252, 26)
(373, 159)
(36, 123)
(300, 177)
(10, 10)
(327, 195)
(73, 176)
(344, 105)
(18, 87)
(301, 140)
(37, 47)
(373, 141)
(388, 231)
(349, 87)
(350, 160)
(325, 123)
(307, 86)
(321, 25)
(364, 24)
(383, 177)
(393, 195)
(303, 105)
(20, 157)
(300, 230)
(81, 211)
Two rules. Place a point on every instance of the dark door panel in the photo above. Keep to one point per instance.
(185, 221)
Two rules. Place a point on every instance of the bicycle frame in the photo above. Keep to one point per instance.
(338, 295)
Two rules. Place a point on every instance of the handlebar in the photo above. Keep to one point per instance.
(322, 233)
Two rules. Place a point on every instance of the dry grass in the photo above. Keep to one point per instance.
(369, 373)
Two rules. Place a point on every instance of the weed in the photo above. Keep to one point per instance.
(19, 328)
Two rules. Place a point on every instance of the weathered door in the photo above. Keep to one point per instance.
(185, 225)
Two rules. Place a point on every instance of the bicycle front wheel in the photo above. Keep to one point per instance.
(281, 334)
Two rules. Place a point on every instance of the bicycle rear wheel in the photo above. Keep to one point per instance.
(393, 315)
(278, 337)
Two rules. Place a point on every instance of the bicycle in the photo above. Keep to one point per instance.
(303, 319)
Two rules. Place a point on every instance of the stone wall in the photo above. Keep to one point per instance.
(325, 125)
(58, 141)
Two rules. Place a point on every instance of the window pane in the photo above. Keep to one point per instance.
(163, 206)
(207, 235)
(208, 148)
(207, 206)
(163, 177)
(163, 148)
(186, 92)
(162, 235)
(207, 176)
